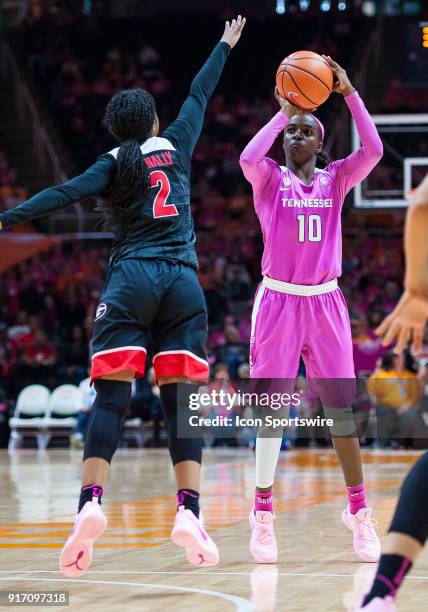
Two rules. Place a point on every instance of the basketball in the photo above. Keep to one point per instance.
(305, 79)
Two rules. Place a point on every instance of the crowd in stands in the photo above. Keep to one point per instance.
(48, 302)
(401, 99)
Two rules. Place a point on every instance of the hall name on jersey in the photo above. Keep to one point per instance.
(160, 159)
(307, 203)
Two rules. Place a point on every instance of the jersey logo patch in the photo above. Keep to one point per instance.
(101, 311)
(286, 183)
(323, 180)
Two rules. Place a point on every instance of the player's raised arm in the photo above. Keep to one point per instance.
(93, 181)
(407, 321)
(185, 130)
(359, 164)
(258, 168)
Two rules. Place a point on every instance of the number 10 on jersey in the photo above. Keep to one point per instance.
(309, 227)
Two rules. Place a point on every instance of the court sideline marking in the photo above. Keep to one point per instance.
(202, 573)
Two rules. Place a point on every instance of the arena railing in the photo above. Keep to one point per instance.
(43, 148)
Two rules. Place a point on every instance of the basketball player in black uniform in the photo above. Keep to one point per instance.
(409, 528)
(151, 289)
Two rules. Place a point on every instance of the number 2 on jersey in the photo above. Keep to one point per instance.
(160, 207)
(313, 223)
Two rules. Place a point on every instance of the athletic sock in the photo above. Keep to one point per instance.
(390, 574)
(88, 493)
(189, 499)
(263, 500)
(357, 498)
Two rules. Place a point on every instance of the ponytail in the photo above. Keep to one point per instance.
(121, 203)
(130, 115)
(323, 160)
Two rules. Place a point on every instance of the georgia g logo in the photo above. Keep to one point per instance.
(101, 311)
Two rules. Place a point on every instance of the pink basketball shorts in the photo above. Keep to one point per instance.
(290, 321)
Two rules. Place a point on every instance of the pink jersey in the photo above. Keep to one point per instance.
(301, 223)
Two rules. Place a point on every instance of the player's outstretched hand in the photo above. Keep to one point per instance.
(341, 83)
(233, 30)
(287, 108)
(405, 323)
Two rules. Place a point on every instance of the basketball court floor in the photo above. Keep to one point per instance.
(135, 565)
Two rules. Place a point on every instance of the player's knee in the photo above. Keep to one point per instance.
(273, 422)
(343, 421)
(107, 416)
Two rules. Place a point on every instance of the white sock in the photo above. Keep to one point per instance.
(267, 454)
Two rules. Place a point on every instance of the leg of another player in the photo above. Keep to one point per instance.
(407, 535)
(101, 442)
(356, 516)
(186, 455)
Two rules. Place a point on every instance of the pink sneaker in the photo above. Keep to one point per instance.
(263, 543)
(189, 533)
(76, 556)
(380, 605)
(366, 541)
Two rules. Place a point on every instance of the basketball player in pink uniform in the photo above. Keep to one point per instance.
(299, 309)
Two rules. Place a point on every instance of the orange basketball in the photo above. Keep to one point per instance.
(305, 79)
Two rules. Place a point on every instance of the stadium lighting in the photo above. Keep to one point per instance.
(368, 8)
(280, 7)
(87, 7)
(325, 5)
(304, 5)
(342, 6)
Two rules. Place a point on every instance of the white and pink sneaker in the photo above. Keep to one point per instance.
(366, 542)
(387, 604)
(263, 542)
(76, 556)
(189, 533)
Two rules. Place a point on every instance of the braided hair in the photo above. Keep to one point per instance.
(129, 116)
(323, 160)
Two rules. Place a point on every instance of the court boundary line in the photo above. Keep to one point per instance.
(201, 572)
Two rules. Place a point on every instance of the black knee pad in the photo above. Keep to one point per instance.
(106, 420)
(411, 516)
(184, 443)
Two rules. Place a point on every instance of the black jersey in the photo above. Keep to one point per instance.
(165, 227)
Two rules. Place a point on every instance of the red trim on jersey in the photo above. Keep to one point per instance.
(180, 364)
(118, 360)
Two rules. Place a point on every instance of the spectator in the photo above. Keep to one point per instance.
(87, 398)
(39, 359)
(74, 356)
(395, 391)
